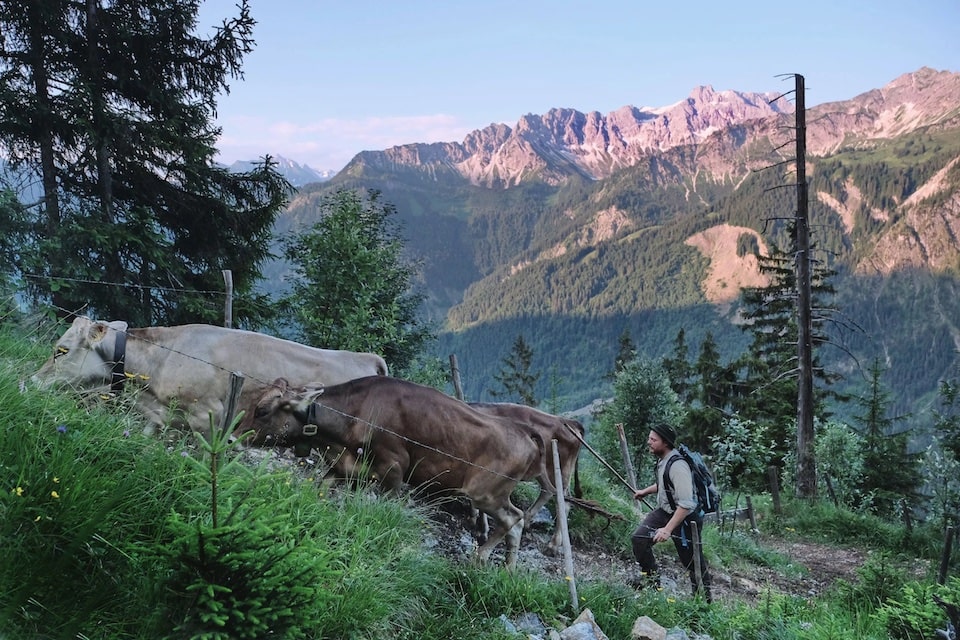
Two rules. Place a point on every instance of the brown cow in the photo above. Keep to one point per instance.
(550, 427)
(410, 434)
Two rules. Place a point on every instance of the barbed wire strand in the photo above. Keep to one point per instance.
(126, 285)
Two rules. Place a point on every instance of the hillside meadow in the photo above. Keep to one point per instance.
(110, 534)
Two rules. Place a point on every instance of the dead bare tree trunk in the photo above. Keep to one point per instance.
(806, 463)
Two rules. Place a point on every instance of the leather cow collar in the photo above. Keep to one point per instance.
(117, 374)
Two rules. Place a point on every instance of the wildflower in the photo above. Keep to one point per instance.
(184, 454)
(126, 433)
(54, 495)
(56, 480)
(18, 491)
(62, 428)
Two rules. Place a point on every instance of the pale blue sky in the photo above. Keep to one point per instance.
(331, 78)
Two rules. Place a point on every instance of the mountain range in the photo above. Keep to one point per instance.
(572, 228)
(296, 174)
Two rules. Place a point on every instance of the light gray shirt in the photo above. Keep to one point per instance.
(681, 477)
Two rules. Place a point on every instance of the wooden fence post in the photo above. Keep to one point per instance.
(481, 523)
(564, 533)
(228, 302)
(628, 464)
(625, 453)
(455, 374)
(945, 556)
(697, 550)
(751, 515)
(774, 489)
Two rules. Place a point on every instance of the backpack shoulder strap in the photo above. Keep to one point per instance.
(667, 482)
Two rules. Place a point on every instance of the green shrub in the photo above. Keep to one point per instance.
(913, 614)
(239, 565)
(878, 580)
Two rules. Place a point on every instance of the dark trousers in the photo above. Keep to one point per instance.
(642, 541)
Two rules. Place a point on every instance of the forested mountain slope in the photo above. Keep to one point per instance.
(570, 228)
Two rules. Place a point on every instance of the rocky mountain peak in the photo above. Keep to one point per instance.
(563, 142)
(925, 97)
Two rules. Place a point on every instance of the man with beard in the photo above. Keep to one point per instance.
(676, 510)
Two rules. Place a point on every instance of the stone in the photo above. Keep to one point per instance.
(645, 628)
(583, 628)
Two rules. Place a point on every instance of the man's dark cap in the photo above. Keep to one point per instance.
(666, 432)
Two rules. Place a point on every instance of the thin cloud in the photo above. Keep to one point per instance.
(329, 143)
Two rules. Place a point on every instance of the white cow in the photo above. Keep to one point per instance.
(184, 371)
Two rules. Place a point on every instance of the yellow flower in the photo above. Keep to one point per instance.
(55, 495)
(18, 491)
(56, 480)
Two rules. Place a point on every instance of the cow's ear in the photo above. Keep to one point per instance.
(312, 392)
(99, 330)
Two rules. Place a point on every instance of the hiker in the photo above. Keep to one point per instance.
(676, 509)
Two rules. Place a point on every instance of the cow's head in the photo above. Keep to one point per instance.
(278, 417)
(83, 356)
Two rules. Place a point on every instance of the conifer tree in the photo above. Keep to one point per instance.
(890, 473)
(353, 287)
(677, 368)
(111, 104)
(710, 394)
(626, 352)
(947, 417)
(516, 378)
(769, 373)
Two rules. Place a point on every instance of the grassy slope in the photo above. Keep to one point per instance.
(86, 504)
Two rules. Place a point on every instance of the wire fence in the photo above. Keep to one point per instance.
(125, 285)
(45, 330)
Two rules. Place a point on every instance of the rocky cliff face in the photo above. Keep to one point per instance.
(720, 126)
(565, 142)
(914, 100)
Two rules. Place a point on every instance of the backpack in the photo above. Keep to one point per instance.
(704, 486)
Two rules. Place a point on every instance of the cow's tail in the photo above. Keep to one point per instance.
(577, 489)
(546, 453)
